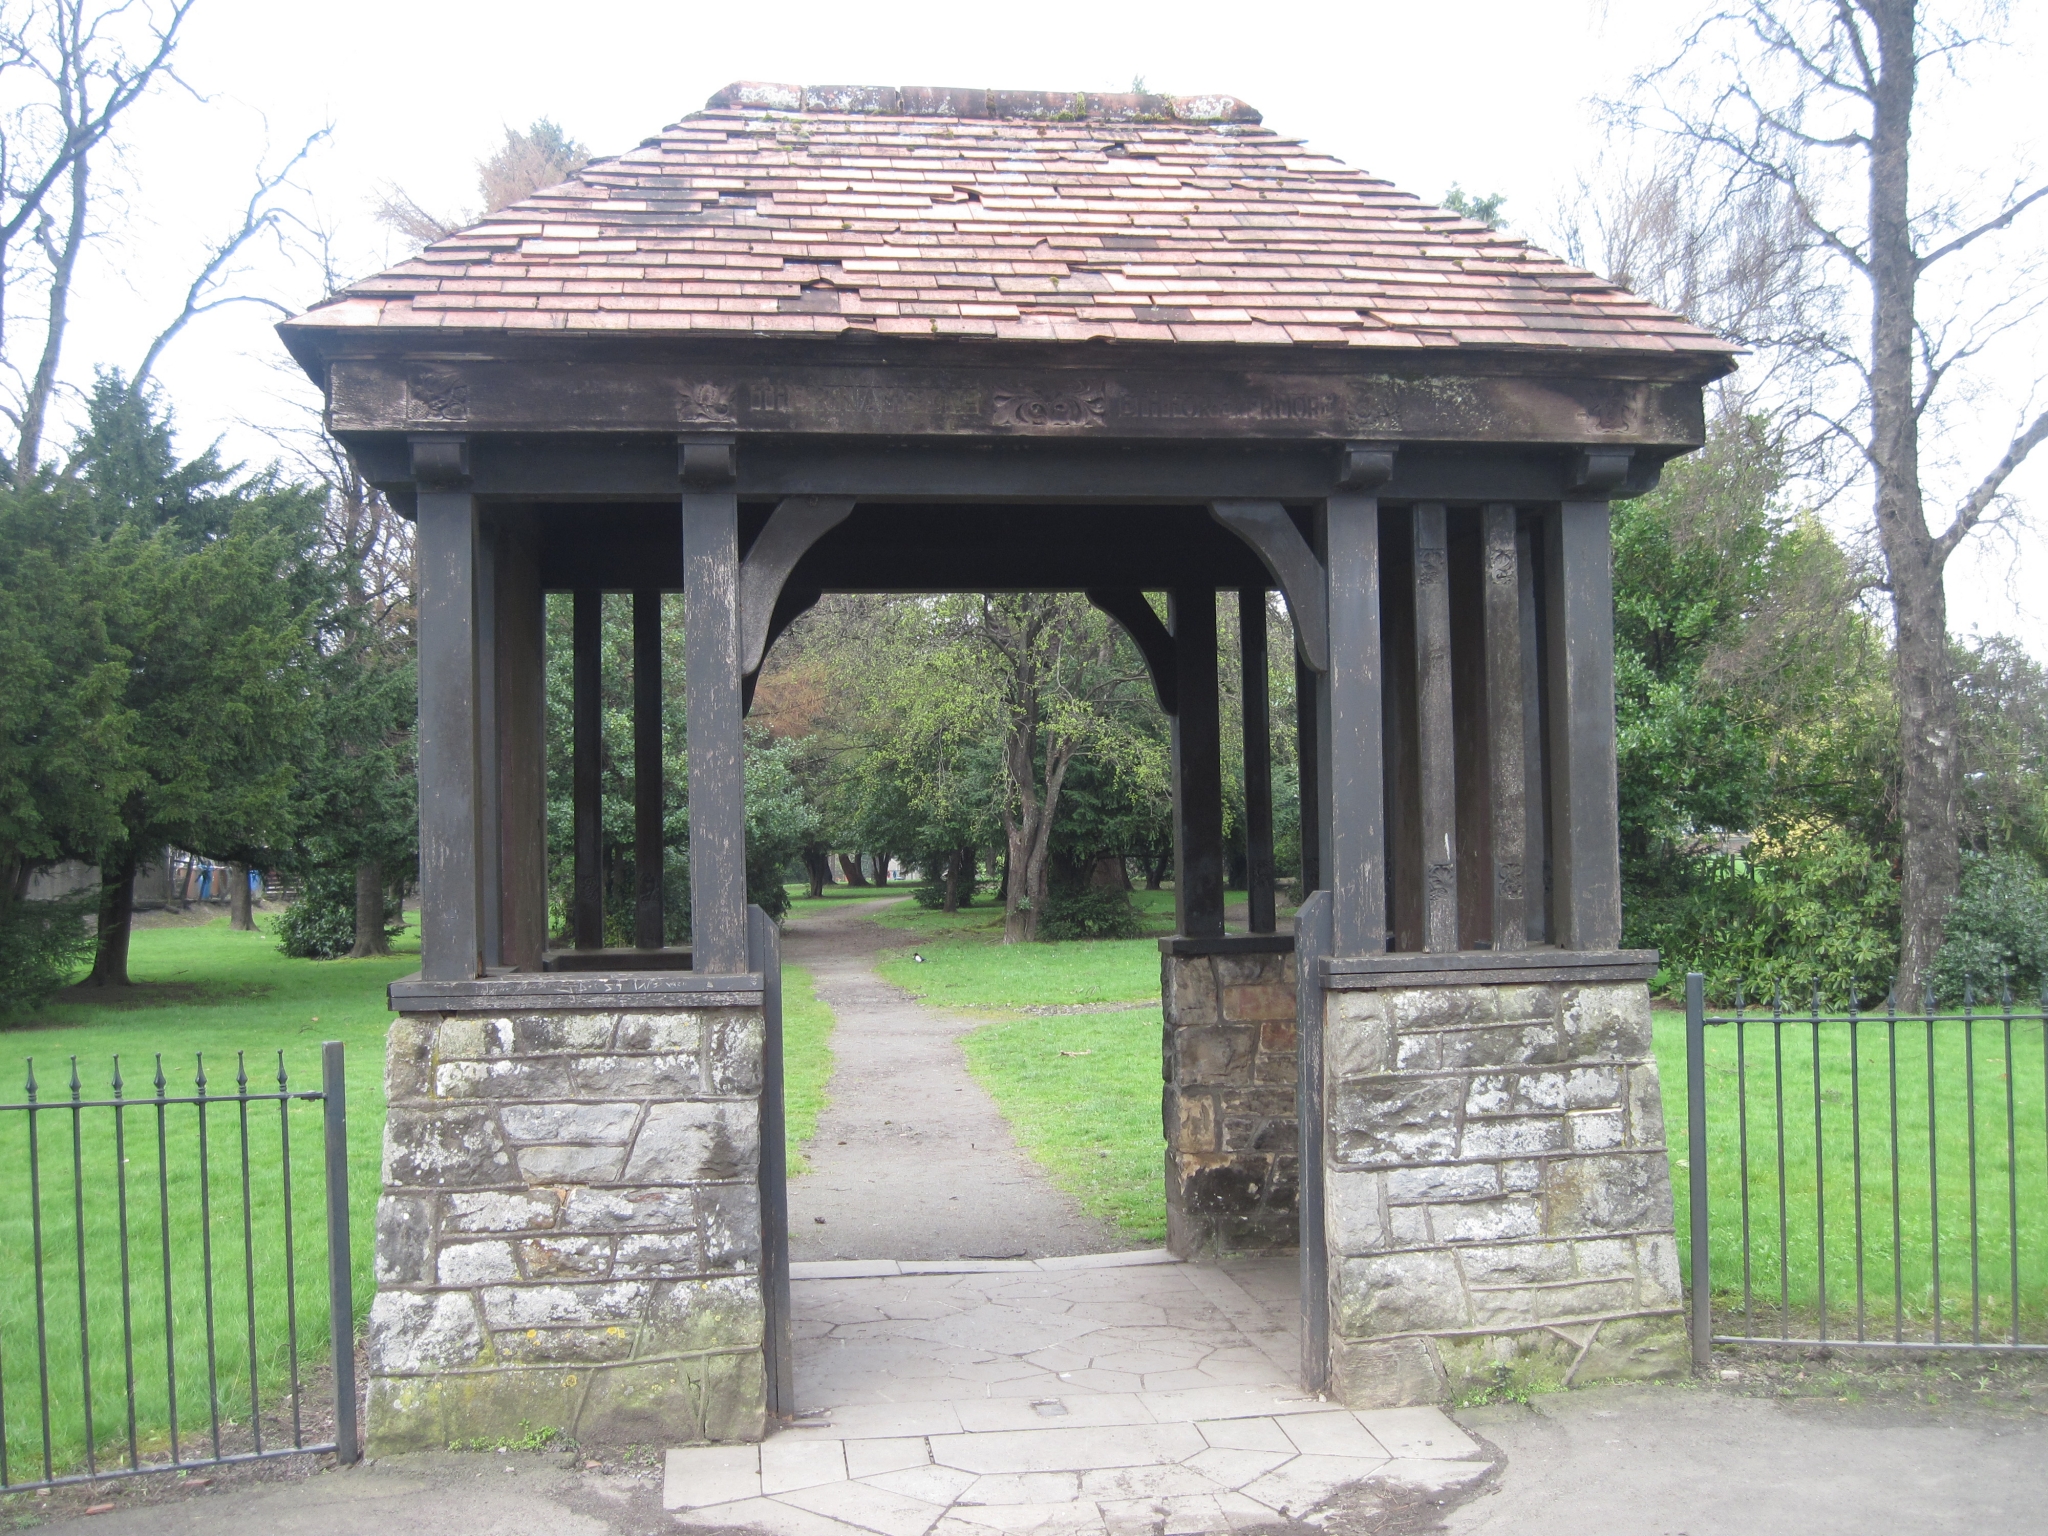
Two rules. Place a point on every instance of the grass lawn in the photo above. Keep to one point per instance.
(1856, 1097)
(806, 1062)
(967, 965)
(1081, 1090)
(204, 992)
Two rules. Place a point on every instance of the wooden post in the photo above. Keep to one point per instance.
(489, 848)
(711, 694)
(647, 777)
(1585, 845)
(1535, 742)
(1355, 873)
(586, 709)
(1258, 763)
(1435, 761)
(1197, 767)
(522, 744)
(1308, 692)
(451, 936)
(1502, 609)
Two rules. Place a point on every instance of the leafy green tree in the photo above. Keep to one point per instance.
(209, 591)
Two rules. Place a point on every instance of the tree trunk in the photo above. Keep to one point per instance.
(64, 258)
(1928, 765)
(818, 866)
(1155, 872)
(370, 938)
(850, 867)
(117, 915)
(881, 868)
(239, 917)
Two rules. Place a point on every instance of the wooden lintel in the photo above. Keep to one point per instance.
(1271, 533)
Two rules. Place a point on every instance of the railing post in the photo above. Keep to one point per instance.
(764, 953)
(1696, 1165)
(341, 1309)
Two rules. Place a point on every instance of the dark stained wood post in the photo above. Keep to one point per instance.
(451, 938)
(1356, 870)
(1435, 751)
(1535, 741)
(1502, 608)
(711, 696)
(647, 776)
(489, 848)
(1258, 762)
(586, 794)
(1197, 767)
(1584, 829)
(522, 743)
(1309, 686)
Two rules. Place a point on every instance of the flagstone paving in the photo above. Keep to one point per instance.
(1095, 1395)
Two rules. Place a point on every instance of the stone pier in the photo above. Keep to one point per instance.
(1232, 1149)
(570, 1230)
(1497, 1187)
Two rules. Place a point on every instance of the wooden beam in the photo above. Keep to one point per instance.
(647, 771)
(1271, 533)
(1535, 735)
(522, 744)
(1470, 741)
(1584, 827)
(1311, 1113)
(445, 558)
(1355, 872)
(1506, 738)
(711, 694)
(1136, 617)
(796, 524)
(1197, 768)
(1258, 763)
(586, 789)
(1435, 753)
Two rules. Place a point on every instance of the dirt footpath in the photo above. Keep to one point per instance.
(912, 1159)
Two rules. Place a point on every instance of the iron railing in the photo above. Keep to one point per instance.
(1868, 1179)
(121, 1351)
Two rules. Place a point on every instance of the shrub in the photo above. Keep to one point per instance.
(1092, 912)
(1805, 905)
(1997, 928)
(931, 895)
(41, 944)
(321, 924)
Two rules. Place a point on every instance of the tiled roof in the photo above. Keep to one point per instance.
(809, 212)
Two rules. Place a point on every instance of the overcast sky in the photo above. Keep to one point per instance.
(1499, 97)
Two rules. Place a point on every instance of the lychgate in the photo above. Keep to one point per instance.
(916, 340)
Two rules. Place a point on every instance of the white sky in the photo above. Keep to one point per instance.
(1494, 94)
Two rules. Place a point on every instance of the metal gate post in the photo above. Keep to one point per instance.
(341, 1310)
(1696, 1165)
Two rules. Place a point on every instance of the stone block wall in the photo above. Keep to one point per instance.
(1232, 1142)
(570, 1230)
(1497, 1191)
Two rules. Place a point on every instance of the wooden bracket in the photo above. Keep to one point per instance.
(1128, 607)
(794, 526)
(1271, 533)
(1598, 471)
(706, 462)
(440, 458)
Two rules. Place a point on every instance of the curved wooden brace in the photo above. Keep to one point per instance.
(796, 524)
(789, 607)
(1128, 607)
(1285, 554)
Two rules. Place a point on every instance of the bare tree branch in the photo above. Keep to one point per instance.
(1979, 501)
